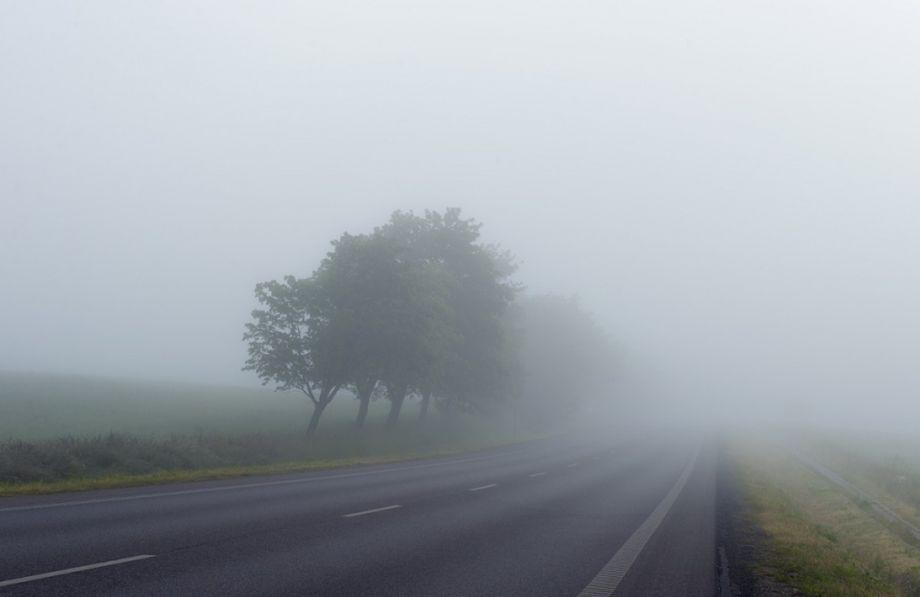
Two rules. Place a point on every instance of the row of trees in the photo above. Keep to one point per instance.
(421, 307)
(563, 358)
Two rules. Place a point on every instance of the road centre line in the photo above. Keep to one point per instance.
(373, 511)
(540, 474)
(34, 577)
(571, 465)
(481, 487)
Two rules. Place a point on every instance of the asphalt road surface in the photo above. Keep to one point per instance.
(563, 517)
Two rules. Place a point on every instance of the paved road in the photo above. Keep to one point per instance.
(557, 517)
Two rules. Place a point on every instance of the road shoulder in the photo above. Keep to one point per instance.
(680, 558)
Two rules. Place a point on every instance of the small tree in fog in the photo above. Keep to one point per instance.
(296, 342)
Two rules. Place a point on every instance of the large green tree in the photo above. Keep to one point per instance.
(417, 332)
(472, 371)
(414, 307)
(394, 311)
(355, 274)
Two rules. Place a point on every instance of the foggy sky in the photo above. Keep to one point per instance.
(732, 188)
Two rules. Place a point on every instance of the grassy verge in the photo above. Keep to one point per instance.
(178, 476)
(818, 541)
(885, 467)
(78, 464)
(71, 433)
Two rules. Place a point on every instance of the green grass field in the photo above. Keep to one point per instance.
(63, 433)
(34, 406)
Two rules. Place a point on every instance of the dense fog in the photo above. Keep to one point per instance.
(730, 188)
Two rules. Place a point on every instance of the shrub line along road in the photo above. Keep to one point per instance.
(555, 517)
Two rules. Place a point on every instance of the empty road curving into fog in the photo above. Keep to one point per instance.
(563, 517)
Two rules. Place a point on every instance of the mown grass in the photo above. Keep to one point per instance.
(820, 542)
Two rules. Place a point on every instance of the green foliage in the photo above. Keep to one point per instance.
(470, 370)
(299, 340)
(561, 356)
(417, 306)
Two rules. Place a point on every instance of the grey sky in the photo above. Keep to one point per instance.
(731, 187)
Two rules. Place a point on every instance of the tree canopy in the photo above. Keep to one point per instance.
(419, 306)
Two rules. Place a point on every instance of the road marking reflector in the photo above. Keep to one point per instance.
(374, 511)
(16, 581)
(480, 488)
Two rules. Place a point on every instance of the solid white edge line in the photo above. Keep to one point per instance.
(481, 487)
(148, 496)
(372, 511)
(16, 581)
(606, 581)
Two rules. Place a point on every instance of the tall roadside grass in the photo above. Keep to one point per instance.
(885, 466)
(75, 463)
(819, 541)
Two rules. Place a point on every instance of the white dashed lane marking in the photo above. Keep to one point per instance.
(372, 511)
(16, 581)
(481, 487)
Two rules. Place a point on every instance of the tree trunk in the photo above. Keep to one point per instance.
(325, 397)
(365, 391)
(423, 410)
(396, 402)
(363, 403)
(318, 409)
